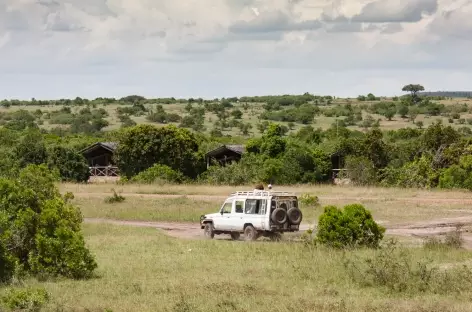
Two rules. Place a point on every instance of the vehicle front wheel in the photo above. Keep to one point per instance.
(235, 236)
(209, 231)
(250, 233)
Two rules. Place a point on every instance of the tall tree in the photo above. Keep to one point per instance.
(142, 146)
(413, 89)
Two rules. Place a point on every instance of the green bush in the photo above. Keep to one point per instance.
(246, 171)
(158, 173)
(351, 227)
(309, 200)
(29, 299)
(458, 176)
(41, 229)
(72, 166)
(360, 170)
(115, 198)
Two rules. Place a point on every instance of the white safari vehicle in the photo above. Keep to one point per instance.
(255, 213)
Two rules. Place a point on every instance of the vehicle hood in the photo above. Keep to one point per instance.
(212, 215)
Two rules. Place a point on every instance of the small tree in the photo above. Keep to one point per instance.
(353, 226)
(71, 165)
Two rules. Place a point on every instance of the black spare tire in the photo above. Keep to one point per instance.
(295, 216)
(279, 216)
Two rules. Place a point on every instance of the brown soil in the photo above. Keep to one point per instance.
(418, 230)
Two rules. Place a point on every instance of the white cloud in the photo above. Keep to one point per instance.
(230, 47)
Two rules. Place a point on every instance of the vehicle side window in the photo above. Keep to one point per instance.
(239, 207)
(227, 207)
(263, 207)
(253, 206)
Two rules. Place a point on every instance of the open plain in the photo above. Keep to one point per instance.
(152, 256)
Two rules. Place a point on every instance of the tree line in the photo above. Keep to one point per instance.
(436, 156)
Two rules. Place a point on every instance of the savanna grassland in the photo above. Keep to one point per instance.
(148, 269)
(244, 116)
(409, 170)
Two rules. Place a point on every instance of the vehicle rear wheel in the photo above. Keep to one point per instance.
(279, 216)
(209, 231)
(250, 233)
(235, 236)
(294, 216)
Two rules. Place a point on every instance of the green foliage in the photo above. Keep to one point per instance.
(72, 166)
(360, 170)
(458, 176)
(158, 174)
(438, 135)
(417, 174)
(247, 170)
(309, 200)
(115, 198)
(142, 146)
(41, 230)
(351, 227)
(28, 299)
(31, 149)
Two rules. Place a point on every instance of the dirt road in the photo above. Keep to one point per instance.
(417, 230)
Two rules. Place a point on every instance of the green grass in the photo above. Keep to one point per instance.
(143, 202)
(147, 209)
(143, 270)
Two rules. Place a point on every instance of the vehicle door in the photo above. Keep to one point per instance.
(237, 217)
(223, 222)
(255, 212)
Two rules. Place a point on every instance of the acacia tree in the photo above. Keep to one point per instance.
(142, 146)
(413, 89)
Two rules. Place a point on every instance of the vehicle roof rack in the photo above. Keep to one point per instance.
(262, 193)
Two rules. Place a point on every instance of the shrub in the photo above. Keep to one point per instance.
(452, 240)
(360, 170)
(71, 165)
(43, 230)
(309, 200)
(115, 198)
(29, 299)
(351, 227)
(158, 173)
(458, 176)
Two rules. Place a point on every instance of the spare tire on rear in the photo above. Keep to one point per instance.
(295, 216)
(279, 216)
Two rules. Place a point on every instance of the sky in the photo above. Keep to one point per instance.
(53, 49)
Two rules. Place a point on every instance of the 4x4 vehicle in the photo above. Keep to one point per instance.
(255, 213)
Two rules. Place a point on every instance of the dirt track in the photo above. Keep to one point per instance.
(416, 230)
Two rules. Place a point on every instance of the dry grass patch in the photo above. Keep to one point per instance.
(181, 209)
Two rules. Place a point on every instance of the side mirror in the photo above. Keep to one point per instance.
(221, 212)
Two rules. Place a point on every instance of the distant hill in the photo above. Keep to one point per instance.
(451, 94)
